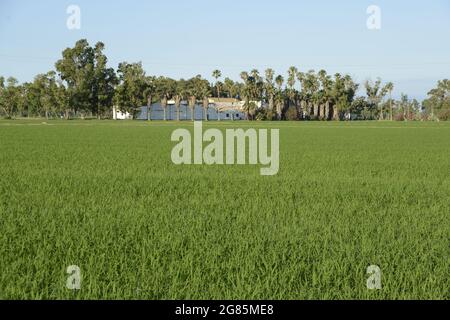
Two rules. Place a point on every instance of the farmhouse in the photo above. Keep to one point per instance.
(231, 108)
(219, 109)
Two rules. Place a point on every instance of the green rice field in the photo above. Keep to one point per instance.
(105, 196)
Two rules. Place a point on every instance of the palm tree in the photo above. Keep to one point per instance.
(269, 88)
(191, 103)
(164, 105)
(203, 90)
(323, 95)
(180, 93)
(292, 95)
(148, 93)
(230, 87)
(303, 94)
(255, 74)
(314, 86)
(337, 93)
(206, 107)
(279, 97)
(165, 87)
(250, 109)
(177, 100)
(217, 74)
(191, 93)
(149, 107)
(244, 90)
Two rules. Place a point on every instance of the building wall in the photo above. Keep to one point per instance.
(185, 113)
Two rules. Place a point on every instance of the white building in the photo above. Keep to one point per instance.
(119, 115)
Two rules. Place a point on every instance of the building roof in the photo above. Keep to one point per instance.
(223, 100)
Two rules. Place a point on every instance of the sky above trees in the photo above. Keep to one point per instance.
(184, 38)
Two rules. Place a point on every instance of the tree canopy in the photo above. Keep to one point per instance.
(83, 84)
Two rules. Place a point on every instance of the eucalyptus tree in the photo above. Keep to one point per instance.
(76, 69)
(404, 105)
(90, 83)
(343, 92)
(104, 82)
(410, 108)
(358, 106)
(47, 92)
(26, 95)
(32, 94)
(62, 99)
(131, 90)
(9, 96)
(438, 101)
(2, 90)
(390, 87)
(415, 107)
(375, 94)
(351, 88)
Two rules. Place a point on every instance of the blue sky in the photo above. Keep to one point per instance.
(180, 38)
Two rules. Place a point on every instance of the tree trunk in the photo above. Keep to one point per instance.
(149, 108)
(271, 103)
(327, 111)
(390, 108)
(335, 113)
(316, 111)
(178, 112)
(279, 111)
(205, 107)
(305, 111)
(381, 114)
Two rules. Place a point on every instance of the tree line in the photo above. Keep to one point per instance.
(82, 85)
